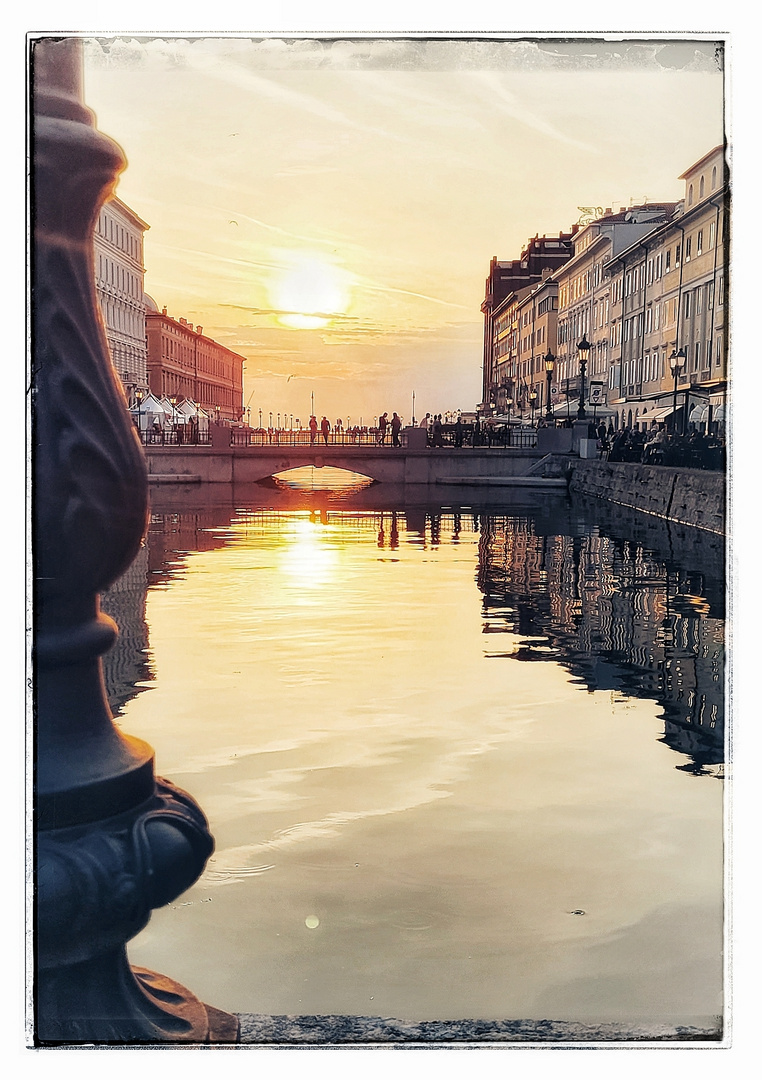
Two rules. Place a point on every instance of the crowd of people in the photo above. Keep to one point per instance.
(695, 450)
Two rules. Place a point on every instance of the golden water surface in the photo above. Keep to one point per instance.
(460, 759)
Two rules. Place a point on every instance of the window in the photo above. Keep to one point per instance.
(711, 234)
(688, 249)
(657, 267)
(710, 296)
(721, 291)
(677, 254)
(699, 291)
(696, 355)
(666, 261)
(714, 177)
(687, 305)
(701, 188)
(718, 353)
(690, 195)
(657, 311)
(700, 240)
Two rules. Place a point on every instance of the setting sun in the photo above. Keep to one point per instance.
(308, 292)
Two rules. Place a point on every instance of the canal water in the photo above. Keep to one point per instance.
(461, 751)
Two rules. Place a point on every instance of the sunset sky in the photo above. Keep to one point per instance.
(329, 208)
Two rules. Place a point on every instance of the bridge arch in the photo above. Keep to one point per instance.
(260, 463)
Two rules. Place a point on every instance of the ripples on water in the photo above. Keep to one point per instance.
(443, 750)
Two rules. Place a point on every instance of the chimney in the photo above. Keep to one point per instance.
(608, 209)
(164, 310)
(199, 329)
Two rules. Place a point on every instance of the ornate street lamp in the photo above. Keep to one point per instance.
(676, 364)
(583, 348)
(139, 399)
(550, 363)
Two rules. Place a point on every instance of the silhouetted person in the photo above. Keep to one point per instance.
(437, 430)
(313, 428)
(325, 427)
(396, 424)
(458, 432)
(382, 423)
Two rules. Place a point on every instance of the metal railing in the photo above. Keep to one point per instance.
(175, 437)
(523, 438)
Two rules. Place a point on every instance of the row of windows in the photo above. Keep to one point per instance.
(123, 319)
(649, 270)
(120, 237)
(113, 273)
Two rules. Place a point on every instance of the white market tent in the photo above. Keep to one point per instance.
(188, 410)
(151, 410)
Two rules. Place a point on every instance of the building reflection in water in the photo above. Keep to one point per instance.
(616, 614)
(617, 617)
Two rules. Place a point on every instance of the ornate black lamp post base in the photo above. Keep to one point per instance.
(106, 1001)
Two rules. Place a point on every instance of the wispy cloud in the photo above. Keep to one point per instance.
(509, 104)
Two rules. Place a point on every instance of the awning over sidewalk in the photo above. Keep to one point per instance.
(658, 414)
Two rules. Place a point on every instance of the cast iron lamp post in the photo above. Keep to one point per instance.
(550, 363)
(676, 363)
(139, 399)
(583, 348)
(112, 840)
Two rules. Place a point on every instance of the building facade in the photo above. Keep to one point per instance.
(184, 363)
(646, 286)
(585, 297)
(119, 277)
(505, 283)
(670, 289)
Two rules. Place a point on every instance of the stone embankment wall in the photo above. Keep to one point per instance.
(688, 496)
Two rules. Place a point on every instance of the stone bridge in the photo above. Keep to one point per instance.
(386, 464)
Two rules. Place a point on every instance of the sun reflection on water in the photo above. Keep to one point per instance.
(309, 559)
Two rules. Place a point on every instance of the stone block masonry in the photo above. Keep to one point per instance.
(687, 496)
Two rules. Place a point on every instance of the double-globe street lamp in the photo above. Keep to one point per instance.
(676, 363)
(583, 348)
(550, 363)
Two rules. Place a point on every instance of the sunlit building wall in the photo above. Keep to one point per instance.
(505, 281)
(185, 363)
(119, 277)
(669, 293)
(585, 295)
